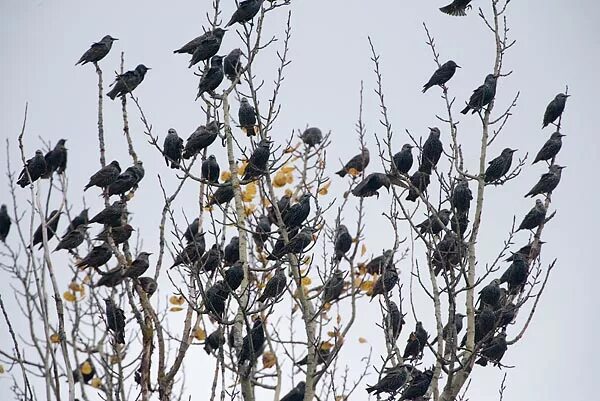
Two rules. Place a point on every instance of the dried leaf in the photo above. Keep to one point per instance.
(268, 360)
(325, 188)
(249, 210)
(367, 286)
(362, 340)
(353, 172)
(96, 382)
(363, 249)
(306, 281)
(2, 369)
(69, 296)
(331, 333)
(289, 178)
(289, 192)
(175, 309)
(199, 334)
(75, 287)
(176, 300)
(225, 175)
(242, 168)
(86, 368)
(338, 319)
(279, 180)
(55, 338)
(114, 359)
(287, 169)
(326, 346)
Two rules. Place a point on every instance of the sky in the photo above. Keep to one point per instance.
(557, 45)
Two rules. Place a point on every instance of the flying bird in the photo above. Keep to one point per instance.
(457, 8)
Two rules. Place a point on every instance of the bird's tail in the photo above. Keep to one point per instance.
(112, 94)
(425, 87)
(250, 130)
(342, 173)
(466, 110)
(371, 389)
(451, 9)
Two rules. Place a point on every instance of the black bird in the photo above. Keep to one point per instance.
(297, 213)
(253, 343)
(421, 335)
(81, 218)
(432, 151)
(452, 328)
(211, 169)
(555, 109)
(275, 286)
(138, 266)
(516, 274)
(234, 275)
(36, 167)
(357, 164)
(411, 350)
(223, 194)
(105, 176)
(371, 185)
(5, 223)
(459, 223)
(192, 229)
(457, 8)
(448, 253)
(283, 204)
(550, 148)
(97, 51)
(525, 251)
(297, 244)
(322, 355)
(115, 320)
(548, 182)
(111, 215)
(127, 82)
(200, 139)
(127, 180)
(490, 294)
(119, 234)
(97, 256)
(257, 163)
(312, 137)
(149, 285)
(333, 287)
(56, 159)
(245, 12)
(535, 217)
(262, 231)
(380, 263)
(208, 47)
(192, 252)
(485, 321)
(297, 393)
(211, 260)
(394, 321)
(506, 315)
(232, 251)
(418, 386)
(215, 298)
(461, 196)
(483, 95)
(435, 223)
(247, 117)
(72, 239)
(212, 78)
(386, 282)
(172, 148)
(403, 160)
(419, 182)
(342, 242)
(499, 166)
(395, 378)
(51, 226)
(232, 65)
(441, 75)
(111, 278)
(494, 350)
(280, 242)
(214, 341)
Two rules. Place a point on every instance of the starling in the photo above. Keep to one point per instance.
(56, 159)
(257, 163)
(490, 294)
(421, 335)
(459, 223)
(192, 229)
(412, 349)
(234, 275)
(526, 252)
(448, 253)
(555, 109)
(81, 218)
(432, 151)
(382, 262)
(457, 8)
(403, 160)
(208, 47)
(51, 226)
(138, 266)
(534, 218)
(253, 343)
(371, 185)
(297, 213)
(448, 333)
(506, 315)
(418, 185)
(85, 372)
(211, 260)
(127, 180)
(395, 378)
(214, 341)
(494, 350)
(441, 75)
(461, 196)
(355, 165)
(115, 319)
(312, 137)
(245, 12)
(332, 289)
(483, 95)
(127, 82)
(394, 321)
(247, 117)
(516, 274)
(262, 231)
(5, 223)
(280, 242)
(232, 65)
(111, 278)
(72, 239)
(200, 139)
(548, 182)
(275, 286)
(212, 78)
(98, 256)
(386, 282)
(342, 242)
(485, 322)
(322, 355)
(499, 166)
(297, 244)
(232, 252)
(550, 148)
(34, 168)
(223, 194)
(216, 297)
(418, 386)
(283, 204)
(105, 176)
(297, 393)
(149, 285)
(172, 148)
(211, 169)
(435, 223)
(97, 51)
(119, 234)
(192, 252)
(111, 215)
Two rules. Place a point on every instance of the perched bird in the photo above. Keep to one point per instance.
(499, 166)
(232, 251)
(342, 242)
(526, 251)
(297, 244)
(247, 117)
(5, 223)
(412, 348)
(461, 196)
(115, 320)
(441, 75)
(192, 229)
(555, 109)
(200, 139)
(275, 286)
(253, 343)
(312, 137)
(51, 229)
(297, 213)
(322, 355)
(394, 321)
(421, 335)
(490, 294)
(138, 266)
(355, 165)
(262, 232)
(452, 328)
(232, 64)
(56, 159)
(516, 274)
(548, 181)
(234, 275)
(127, 180)
(457, 8)
(212, 78)
(111, 215)
(419, 182)
(418, 386)
(172, 148)
(111, 278)
(215, 298)
(448, 253)
(211, 169)
(34, 169)
(257, 163)
(81, 219)
(534, 218)
(435, 223)
(280, 242)
(371, 185)
(494, 350)
(386, 282)
(333, 287)
(214, 341)
(395, 378)
(72, 239)
(459, 223)
(149, 285)
(97, 51)
(483, 95)
(550, 148)
(208, 47)
(119, 234)
(283, 204)
(403, 160)
(192, 252)
(98, 256)
(246, 10)
(432, 151)
(223, 194)
(380, 263)
(127, 82)
(506, 315)
(105, 176)
(485, 321)
(211, 260)
(297, 393)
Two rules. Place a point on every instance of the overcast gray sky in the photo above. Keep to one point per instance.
(557, 44)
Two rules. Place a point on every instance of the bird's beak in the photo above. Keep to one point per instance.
(514, 150)
(561, 167)
(115, 38)
(458, 66)
(561, 135)
(567, 95)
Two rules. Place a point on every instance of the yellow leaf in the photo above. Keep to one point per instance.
(225, 176)
(175, 309)
(249, 210)
(326, 306)
(353, 172)
(325, 188)
(289, 178)
(114, 359)
(268, 360)
(242, 168)
(1, 369)
(246, 197)
(86, 368)
(199, 334)
(279, 180)
(251, 188)
(331, 333)
(363, 249)
(75, 287)
(69, 296)
(287, 169)
(362, 340)
(306, 281)
(326, 346)
(55, 338)
(288, 192)
(367, 287)
(176, 300)
(96, 382)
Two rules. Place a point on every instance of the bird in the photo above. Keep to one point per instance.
(257, 163)
(245, 12)
(459, 223)
(126, 181)
(138, 266)
(499, 166)
(312, 137)
(215, 298)
(111, 215)
(96, 257)
(212, 78)
(432, 151)
(386, 282)
(253, 343)
(452, 328)
(56, 159)
(200, 139)
(526, 251)
(127, 82)
(342, 242)
(81, 218)
(211, 170)
(380, 263)
(371, 184)
(297, 213)
(283, 204)
(5, 223)
(72, 239)
(149, 285)
(448, 253)
(296, 244)
(457, 8)
(548, 181)
(394, 379)
(403, 160)
(192, 252)
(115, 320)
(261, 231)
(275, 286)
(490, 294)
(51, 226)
(34, 169)
(172, 148)
(554, 109)
(214, 341)
(419, 182)
(321, 355)
(208, 47)
(232, 65)
(516, 274)
(441, 75)
(192, 229)
(535, 217)
(418, 386)
(494, 350)
(333, 287)
(111, 278)
(461, 196)
(297, 393)
(394, 321)
(105, 176)
(211, 260)
(97, 50)
(223, 194)
(550, 148)
(483, 95)
(421, 335)
(234, 275)
(435, 223)
(506, 315)
(280, 242)
(232, 251)
(355, 165)
(485, 322)
(119, 234)
(247, 117)
(411, 350)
